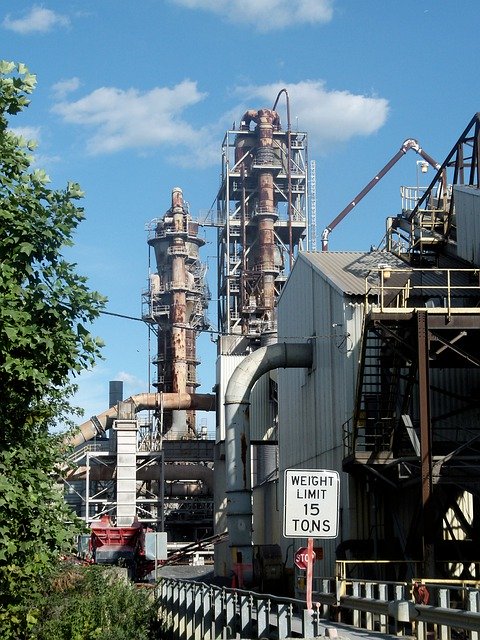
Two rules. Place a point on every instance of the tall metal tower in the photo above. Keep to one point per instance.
(313, 207)
(262, 217)
(175, 305)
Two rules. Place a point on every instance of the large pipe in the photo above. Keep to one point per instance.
(179, 305)
(237, 439)
(141, 402)
(178, 311)
(267, 121)
(266, 214)
(115, 392)
(171, 472)
(190, 472)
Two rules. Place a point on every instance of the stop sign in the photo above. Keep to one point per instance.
(301, 558)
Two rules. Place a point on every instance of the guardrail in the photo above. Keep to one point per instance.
(418, 608)
(190, 610)
(439, 290)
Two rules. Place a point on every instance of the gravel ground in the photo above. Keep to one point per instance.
(202, 573)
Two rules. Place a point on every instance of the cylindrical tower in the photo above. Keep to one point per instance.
(176, 303)
(262, 208)
(266, 215)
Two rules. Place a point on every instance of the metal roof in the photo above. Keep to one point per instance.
(347, 270)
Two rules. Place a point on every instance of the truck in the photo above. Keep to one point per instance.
(124, 546)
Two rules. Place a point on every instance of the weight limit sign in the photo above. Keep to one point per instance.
(311, 503)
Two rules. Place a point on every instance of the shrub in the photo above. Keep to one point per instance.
(91, 603)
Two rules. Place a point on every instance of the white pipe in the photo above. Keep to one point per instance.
(237, 439)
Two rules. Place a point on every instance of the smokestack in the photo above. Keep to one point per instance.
(177, 302)
(115, 392)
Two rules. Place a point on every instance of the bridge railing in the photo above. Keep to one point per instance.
(190, 610)
(419, 609)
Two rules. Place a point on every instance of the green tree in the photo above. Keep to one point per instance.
(45, 308)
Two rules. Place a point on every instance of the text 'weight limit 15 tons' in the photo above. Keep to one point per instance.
(311, 503)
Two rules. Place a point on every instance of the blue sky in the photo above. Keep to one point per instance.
(134, 97)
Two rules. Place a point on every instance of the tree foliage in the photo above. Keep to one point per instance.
(44, 341)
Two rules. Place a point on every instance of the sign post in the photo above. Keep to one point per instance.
(310, 554)
(311, 507)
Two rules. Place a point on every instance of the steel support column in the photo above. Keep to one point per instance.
(425, 439)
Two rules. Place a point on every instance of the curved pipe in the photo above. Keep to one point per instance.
(289, 170)
(252, 115)
(237, 437)
(143, 401)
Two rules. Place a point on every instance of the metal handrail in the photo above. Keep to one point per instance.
(194, 609)
(377, 283)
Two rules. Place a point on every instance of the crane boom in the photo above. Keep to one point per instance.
(410, 143)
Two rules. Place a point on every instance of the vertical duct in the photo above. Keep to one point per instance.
(178, 311)
(267, 214)
(237, 443)
(126, 471)
(266, 164)
(115, 392)
(115, 395)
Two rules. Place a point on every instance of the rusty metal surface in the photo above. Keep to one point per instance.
(257, 235)
(179, 295)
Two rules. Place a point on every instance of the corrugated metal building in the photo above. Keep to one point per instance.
(468, 222)
(361, 407)
(323, 301)
(391, 399)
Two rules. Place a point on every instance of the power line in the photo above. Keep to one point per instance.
(121, 315)
(328, 336)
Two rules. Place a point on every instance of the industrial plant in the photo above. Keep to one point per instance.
(364, 363)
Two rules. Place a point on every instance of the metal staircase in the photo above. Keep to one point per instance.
(386, 378)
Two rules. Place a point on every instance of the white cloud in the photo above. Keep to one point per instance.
(38, 160)
(27, 133)
(133, 384)
(122, 119)
(119, 119)
(37, 20)
(329, 117)
(43, 161)
(266, 16)
(62, 88)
